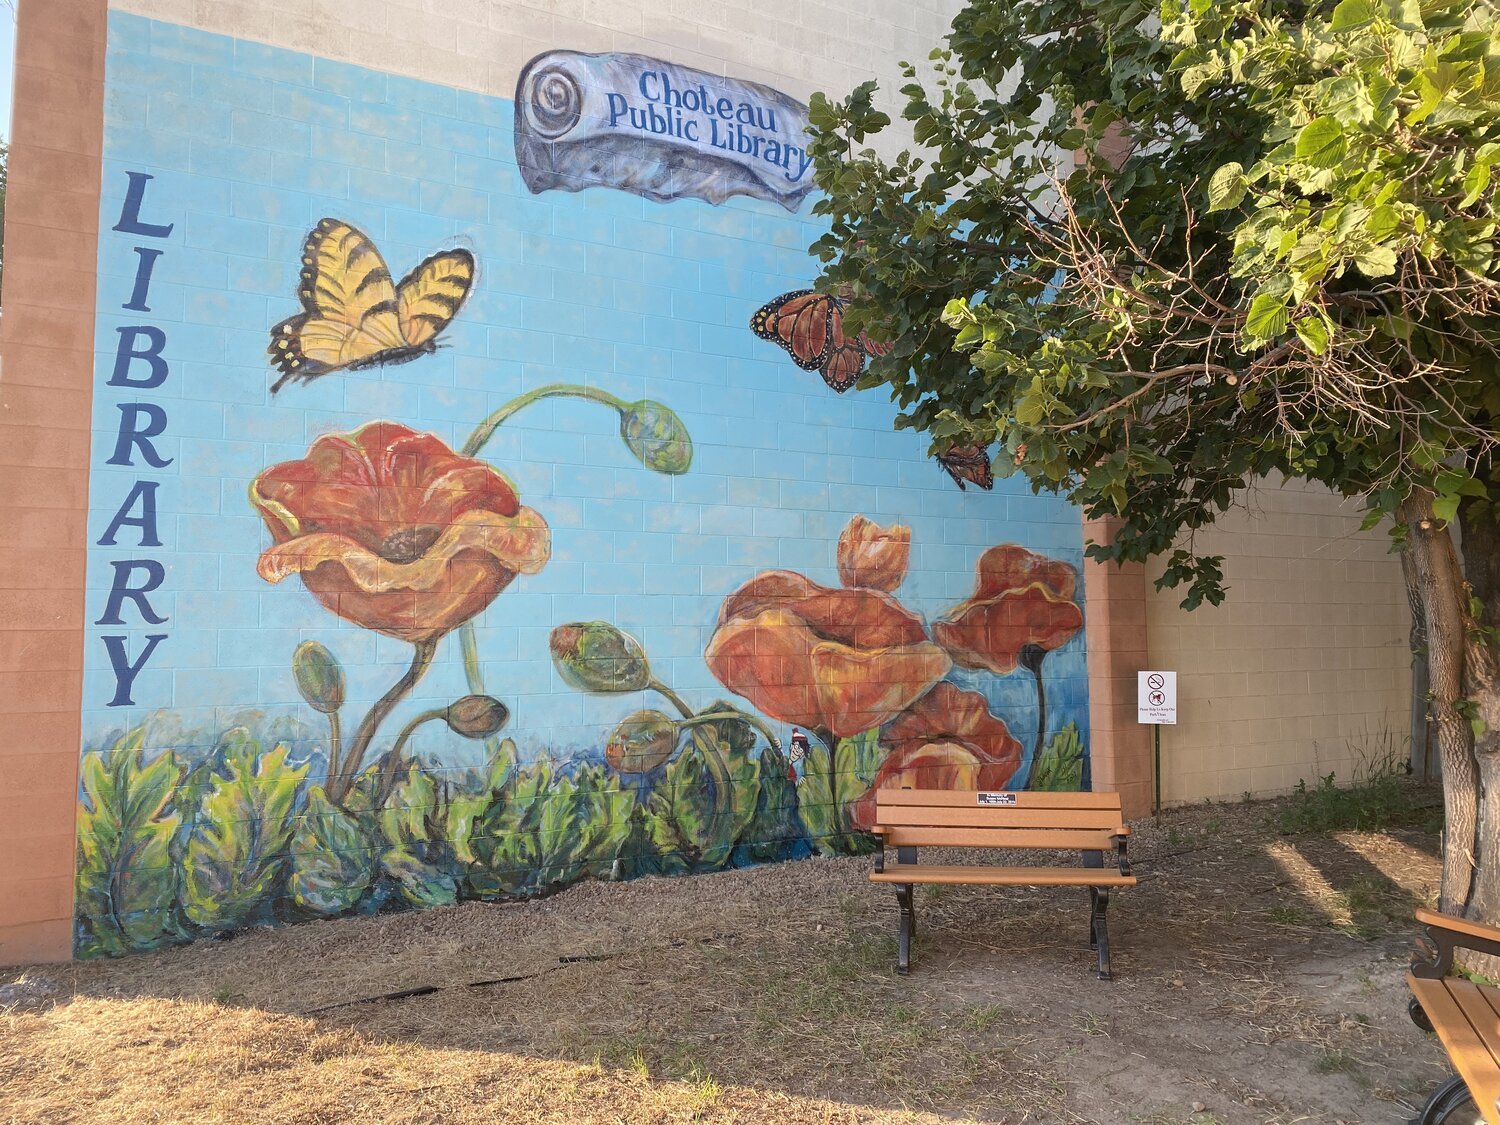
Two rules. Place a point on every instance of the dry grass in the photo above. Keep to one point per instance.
(1257, 976)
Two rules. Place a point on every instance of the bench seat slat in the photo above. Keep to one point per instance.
(1002, 876)
(1071, 839)
(967, 799)
(972, 817)
(1470, 1032)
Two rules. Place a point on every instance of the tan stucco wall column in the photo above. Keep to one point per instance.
(1119, 746)
(51, 239)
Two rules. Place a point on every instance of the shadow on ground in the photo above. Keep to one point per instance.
(1258, 980)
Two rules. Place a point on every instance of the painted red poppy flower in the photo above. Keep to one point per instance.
(1021, 599)
(874, 556)
(840, 661)
(390, 529)
(946, 740)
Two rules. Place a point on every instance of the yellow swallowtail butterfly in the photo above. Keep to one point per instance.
(354, 316)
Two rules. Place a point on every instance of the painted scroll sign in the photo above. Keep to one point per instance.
(657, 130)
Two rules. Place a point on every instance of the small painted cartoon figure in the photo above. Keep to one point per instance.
(798, 750)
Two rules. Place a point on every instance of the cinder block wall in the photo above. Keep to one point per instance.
(1304, 670)
(46, 359)
(173, 651)
(259, 641)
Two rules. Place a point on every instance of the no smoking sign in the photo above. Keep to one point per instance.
(1156, 698)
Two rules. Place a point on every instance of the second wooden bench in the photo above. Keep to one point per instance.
(906, 819)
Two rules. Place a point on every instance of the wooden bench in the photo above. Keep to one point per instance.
(906, 819)
(1466, 1017)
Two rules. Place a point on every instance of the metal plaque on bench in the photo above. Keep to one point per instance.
(996, 798)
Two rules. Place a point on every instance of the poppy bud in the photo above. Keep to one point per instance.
(595, 656)
(319, 677)
(656, 436)
(641, 742)
(476, 716)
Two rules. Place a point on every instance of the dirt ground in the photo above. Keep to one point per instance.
(1258, 979)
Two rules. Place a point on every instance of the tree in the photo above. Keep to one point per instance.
(1274, 253)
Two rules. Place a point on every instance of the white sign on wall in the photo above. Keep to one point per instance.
(1156, 698)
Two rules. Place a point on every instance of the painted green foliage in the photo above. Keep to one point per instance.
(238, 846)
(127, 872)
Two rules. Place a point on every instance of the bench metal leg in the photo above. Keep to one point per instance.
(1450, 1104)
(1093, 917)
(1099, 928)
(908, 928)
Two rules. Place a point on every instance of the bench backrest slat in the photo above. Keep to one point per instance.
(999, 817)
(1052, 838)
(959, 798)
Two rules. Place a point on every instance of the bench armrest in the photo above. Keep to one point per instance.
(1120, 840)
(1448, 933)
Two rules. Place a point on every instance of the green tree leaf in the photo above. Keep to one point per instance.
(1227, 187)
(1321, 142)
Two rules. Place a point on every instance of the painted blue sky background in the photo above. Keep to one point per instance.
(249, 147)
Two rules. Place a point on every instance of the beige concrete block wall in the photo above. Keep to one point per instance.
(797, 46)
(1304, 670)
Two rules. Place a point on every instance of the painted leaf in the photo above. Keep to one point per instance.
(680, 815)
(815, 801)
(1059, 768)
(465, 810)
(582, 824)
(127, 879)
(775, 830)
(332, 859)
(503, 839)
(238, 849)
(416, 856)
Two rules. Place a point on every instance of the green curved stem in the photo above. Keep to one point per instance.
(335, 746)
(421, 661)
(487, 428)
(840, 767)
(718, 769)
(477, 441)
(469, 644)
(390, 761)
(671, 696)
(751, 720)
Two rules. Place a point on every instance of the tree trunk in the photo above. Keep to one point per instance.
(1419, 760)
(1444, 602)
(1481, 543)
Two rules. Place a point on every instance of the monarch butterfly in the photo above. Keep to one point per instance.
(810, 326)
(354, 316)
(968, 463)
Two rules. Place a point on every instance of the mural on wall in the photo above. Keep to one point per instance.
(657, 129)
(354, 316)
(485, 640)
